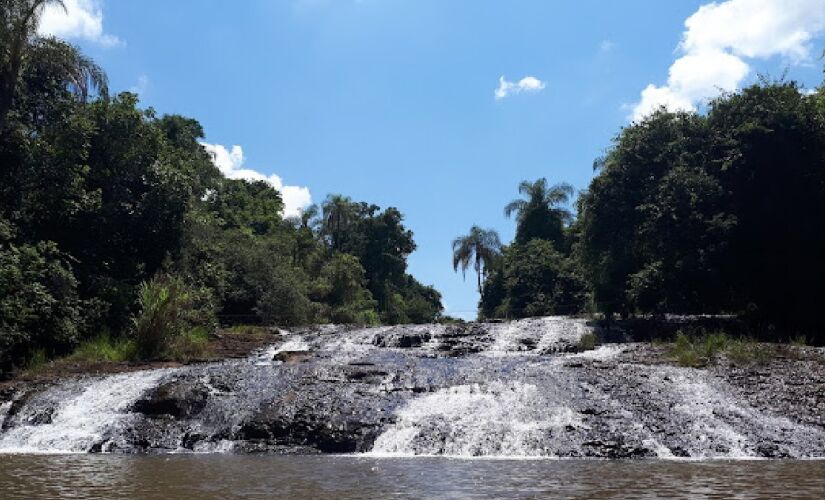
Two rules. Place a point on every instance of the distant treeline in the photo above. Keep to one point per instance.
(720, 212)
(109, 212)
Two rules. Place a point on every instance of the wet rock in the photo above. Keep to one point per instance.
(402, 337)
(178, 399)
(292, 356)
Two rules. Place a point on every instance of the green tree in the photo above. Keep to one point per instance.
(39, 305)
(341, 286)
(540, 281)
(19, 43)
(481, 247)
(542, 214)
(338, 214)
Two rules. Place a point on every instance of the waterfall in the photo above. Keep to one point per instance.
(473, 420)
(516, 389)
(78, 422)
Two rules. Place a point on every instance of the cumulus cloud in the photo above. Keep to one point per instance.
(718, 39)
(528, 84)
(81, 19)
(230, 163)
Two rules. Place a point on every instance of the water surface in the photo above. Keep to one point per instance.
(251, 476)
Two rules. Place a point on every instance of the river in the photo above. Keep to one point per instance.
(258, 476)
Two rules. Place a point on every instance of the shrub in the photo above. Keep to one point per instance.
(168, 313)
(588, 342)
(39, 305)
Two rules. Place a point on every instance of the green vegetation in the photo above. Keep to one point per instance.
(114, 219)
(702, 350)
(588, 342)
(168, 320)
(689, 213)
(254, 330)
(482, 248)
(105, 348)
(536, 275)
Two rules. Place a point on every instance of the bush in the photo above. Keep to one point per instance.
(39, 306)
(284, 300)
(168, 314)
(588, 342)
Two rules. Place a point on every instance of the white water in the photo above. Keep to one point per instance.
(80, 421)
(506, 396)
(534, 336)
(496, 419)
(294, 344)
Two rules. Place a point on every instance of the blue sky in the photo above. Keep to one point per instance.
(393, 102)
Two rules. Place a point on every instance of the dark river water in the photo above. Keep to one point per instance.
(245, 476)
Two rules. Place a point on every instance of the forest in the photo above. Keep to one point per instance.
(688, 213)
(116, 225)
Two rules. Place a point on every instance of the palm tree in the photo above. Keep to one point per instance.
(542, 214)
(338, 213)
(19, 45)
(481, 247)
(308, 214)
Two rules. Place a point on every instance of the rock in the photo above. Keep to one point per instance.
(401, 337)
(179, 399)
(292, 356)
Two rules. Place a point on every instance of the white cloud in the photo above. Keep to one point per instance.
(141, 86)
(720, 36)
(80, 19)
(606, 46)
(528, 84)
(230, 163)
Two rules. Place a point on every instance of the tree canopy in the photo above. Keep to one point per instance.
(104, 204)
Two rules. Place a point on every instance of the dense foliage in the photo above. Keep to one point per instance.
(689, 213)
(114, 222)
(713, 213)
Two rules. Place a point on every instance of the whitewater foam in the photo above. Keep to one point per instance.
(90, 418)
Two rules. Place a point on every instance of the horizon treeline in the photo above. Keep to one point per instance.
(721, 212)
(109, 211)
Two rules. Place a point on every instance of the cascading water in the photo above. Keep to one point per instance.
(77, 417)
(515, 389)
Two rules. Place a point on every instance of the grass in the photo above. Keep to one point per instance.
(588, 342)
(193, 344)
(105, 349)
(254, 330)
(703, 350)
(37, 360)
(799, 341)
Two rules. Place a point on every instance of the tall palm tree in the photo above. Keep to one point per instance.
(19, 45)
(308, 214)
(338, 213)
(481, 247)
(541, 213)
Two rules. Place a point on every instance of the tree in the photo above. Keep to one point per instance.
(341, 286)
(39, 305)
(338, 214)
(481, 247)
(540, 281)
(542, 214)
(18, 26)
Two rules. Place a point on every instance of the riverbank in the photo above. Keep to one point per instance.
(223, 344)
